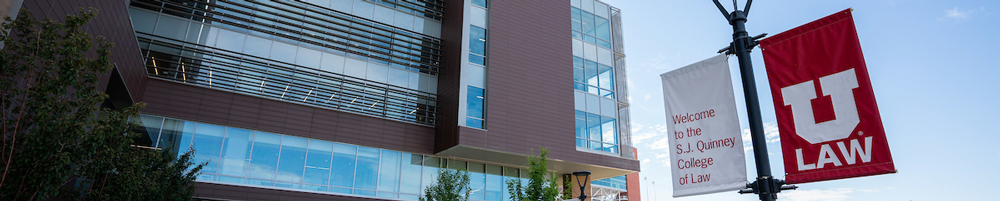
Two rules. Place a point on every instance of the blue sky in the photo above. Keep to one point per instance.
(931, 66)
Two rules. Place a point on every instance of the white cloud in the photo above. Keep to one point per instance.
(957, 14)
(646, 97)
(771, 132)
(641, 134)
(660, 144)
(817, 195)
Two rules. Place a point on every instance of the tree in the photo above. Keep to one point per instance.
(57, 140)
(451, 185)
(539, 187)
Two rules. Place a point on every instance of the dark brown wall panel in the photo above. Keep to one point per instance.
(112, 22)
(171, 99)
(448, 79)
(530, 91)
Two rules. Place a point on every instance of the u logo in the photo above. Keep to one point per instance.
(839, 86)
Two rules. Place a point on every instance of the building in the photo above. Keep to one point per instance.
(367, 99)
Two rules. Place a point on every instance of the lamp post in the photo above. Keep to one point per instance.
(583, 186)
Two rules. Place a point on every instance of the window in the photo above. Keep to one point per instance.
(477, 45)
(596, 132)
(591, 28)
(474, 112)
(594, 78)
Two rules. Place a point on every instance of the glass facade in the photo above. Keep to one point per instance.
(475, 69)
(613, 182)
(256, 158)
(594, 78)
(294, 51)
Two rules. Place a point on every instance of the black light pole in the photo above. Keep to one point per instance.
(765, 186)
(583, 186)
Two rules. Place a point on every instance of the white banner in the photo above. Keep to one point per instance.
(707, 149)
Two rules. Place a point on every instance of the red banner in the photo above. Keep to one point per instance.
(827, 117)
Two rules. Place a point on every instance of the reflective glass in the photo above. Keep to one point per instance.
(318, 158)
(176, 135)
(477, 177)
(588, 23)
(364, 9)
(578, 74)
(388, 174)
(606, 74)
(603, 29)
(257, 46)
(594, 126)
(235, 152)
(494, 182)
(477, 40)
(476, 59)
(293, 159)
(410, 174)
(608, 131)
(342, 5)
(581, 124)
(590, 72)
(480, 3)
(475, 100)
(575, 18)
(384, 15)
(604, 44)
(264, 158)
(344, 161)
(399, 77)
(366, 174)
(207, 143)
(283, 52)
(150, 130)
(473, 122)
(170, 27)
(429, 173)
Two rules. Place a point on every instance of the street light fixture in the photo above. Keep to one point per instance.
(583, 186)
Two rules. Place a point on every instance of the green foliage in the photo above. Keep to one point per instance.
(57, 140)
(451, 185)
(541, 185)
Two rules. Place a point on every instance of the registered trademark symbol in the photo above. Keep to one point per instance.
(860, 133)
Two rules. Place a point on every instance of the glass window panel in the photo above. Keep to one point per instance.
(596, 145)
(283, 52)
(476, 59)
(384, 14)
(231, 41)
(590, 39)
(475, 98)
(293, 158)
(176, 135)
(579, 86)
(257, 46)
(366, 174)
(494, 182)
(575, 17)
(604, 56)
(581, 142)
(399, 77)
(588, 23)
(477, 177)
(581, 124)
(344, 162)
(235, 152)
(318, 159)
(342, 5)
(378, 73)
(474, 123)
(477, 40)
(170, 27)
(430, 171)
(594, 126)
(364, 9)
(150, 130)
(578, 48)
(593, 104)
(410, 174)
(603, 29)
(608, 130)
(601, 9)
(403, 21)
(207, 143)
(589, 52)
(388, 179)
(590, 72)
(333, 63)
(604, 44)
(457, 164)
(580, 101)
(578, 74)
(605, 74)
(481, 3)
(142, 20)
(308, 57)
(509, 174)
(478, 17)
(264, 158)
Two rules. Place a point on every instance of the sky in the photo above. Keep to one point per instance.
(935, 81)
